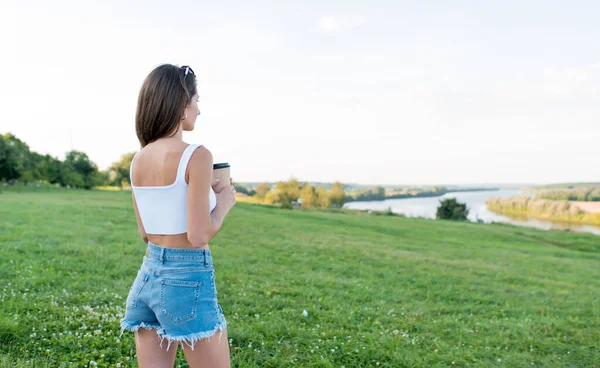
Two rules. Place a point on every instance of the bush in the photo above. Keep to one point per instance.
(451, 209)
(387, 212)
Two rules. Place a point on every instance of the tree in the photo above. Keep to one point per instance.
(262, 189)
(7, 161)
(309, 196)
(71, 178)
(323, 198)
(451, 209)
(281, 195)
(376, 194)
(108, 177)
(243, 190)
(52, 171)
(82, 172)
(337, 194)
(269, 197)
(379, 192)
(293, 189)
(14, 157)
(121, 169)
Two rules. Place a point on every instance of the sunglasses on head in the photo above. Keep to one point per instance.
(187, 70)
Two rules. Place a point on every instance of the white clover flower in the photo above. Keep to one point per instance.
(305, 313)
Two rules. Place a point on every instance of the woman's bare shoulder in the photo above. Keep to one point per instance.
(201, 153)
(200, 163)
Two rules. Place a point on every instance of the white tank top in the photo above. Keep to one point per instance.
(163, 209)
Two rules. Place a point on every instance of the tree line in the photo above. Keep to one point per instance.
(292, 192)
(20, 165)
(574, 194)
(379, 194)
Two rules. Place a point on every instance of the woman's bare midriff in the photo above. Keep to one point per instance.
(172, 241)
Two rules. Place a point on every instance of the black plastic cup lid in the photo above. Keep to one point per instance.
(221, 165)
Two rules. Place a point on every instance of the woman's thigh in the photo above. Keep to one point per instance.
(149, 352)
(210, 352)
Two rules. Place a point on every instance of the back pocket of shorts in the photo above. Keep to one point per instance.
(179, 299)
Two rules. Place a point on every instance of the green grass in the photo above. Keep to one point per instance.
(379, 291)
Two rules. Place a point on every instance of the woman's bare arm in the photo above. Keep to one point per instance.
(203, 225)
(139, 220)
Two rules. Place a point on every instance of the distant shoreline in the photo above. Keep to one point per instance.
(438, 193)
(547, 209)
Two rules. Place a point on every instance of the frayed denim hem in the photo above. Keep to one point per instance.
(191, 339)
(134, 326)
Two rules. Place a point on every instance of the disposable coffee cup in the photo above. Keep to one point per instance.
(222, 172)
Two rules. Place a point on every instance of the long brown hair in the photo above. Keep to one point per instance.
(162, 102)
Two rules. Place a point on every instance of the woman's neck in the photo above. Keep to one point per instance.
(179, 133)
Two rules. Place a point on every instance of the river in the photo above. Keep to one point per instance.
(427, 206)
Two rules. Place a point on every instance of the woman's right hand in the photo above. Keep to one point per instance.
(225, 197)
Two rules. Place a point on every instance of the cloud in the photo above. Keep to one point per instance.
(567, 74)
(359, 20)
(567, 81)
(330, 24)
(336, 24)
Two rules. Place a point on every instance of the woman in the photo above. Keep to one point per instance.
(178, 213)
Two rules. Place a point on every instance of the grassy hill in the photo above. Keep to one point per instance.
(379, 291)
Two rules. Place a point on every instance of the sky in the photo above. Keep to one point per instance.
(378, 92)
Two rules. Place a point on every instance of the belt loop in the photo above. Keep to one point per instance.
(205, 261)
(162, 255)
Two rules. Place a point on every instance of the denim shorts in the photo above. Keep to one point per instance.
(175, 294)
